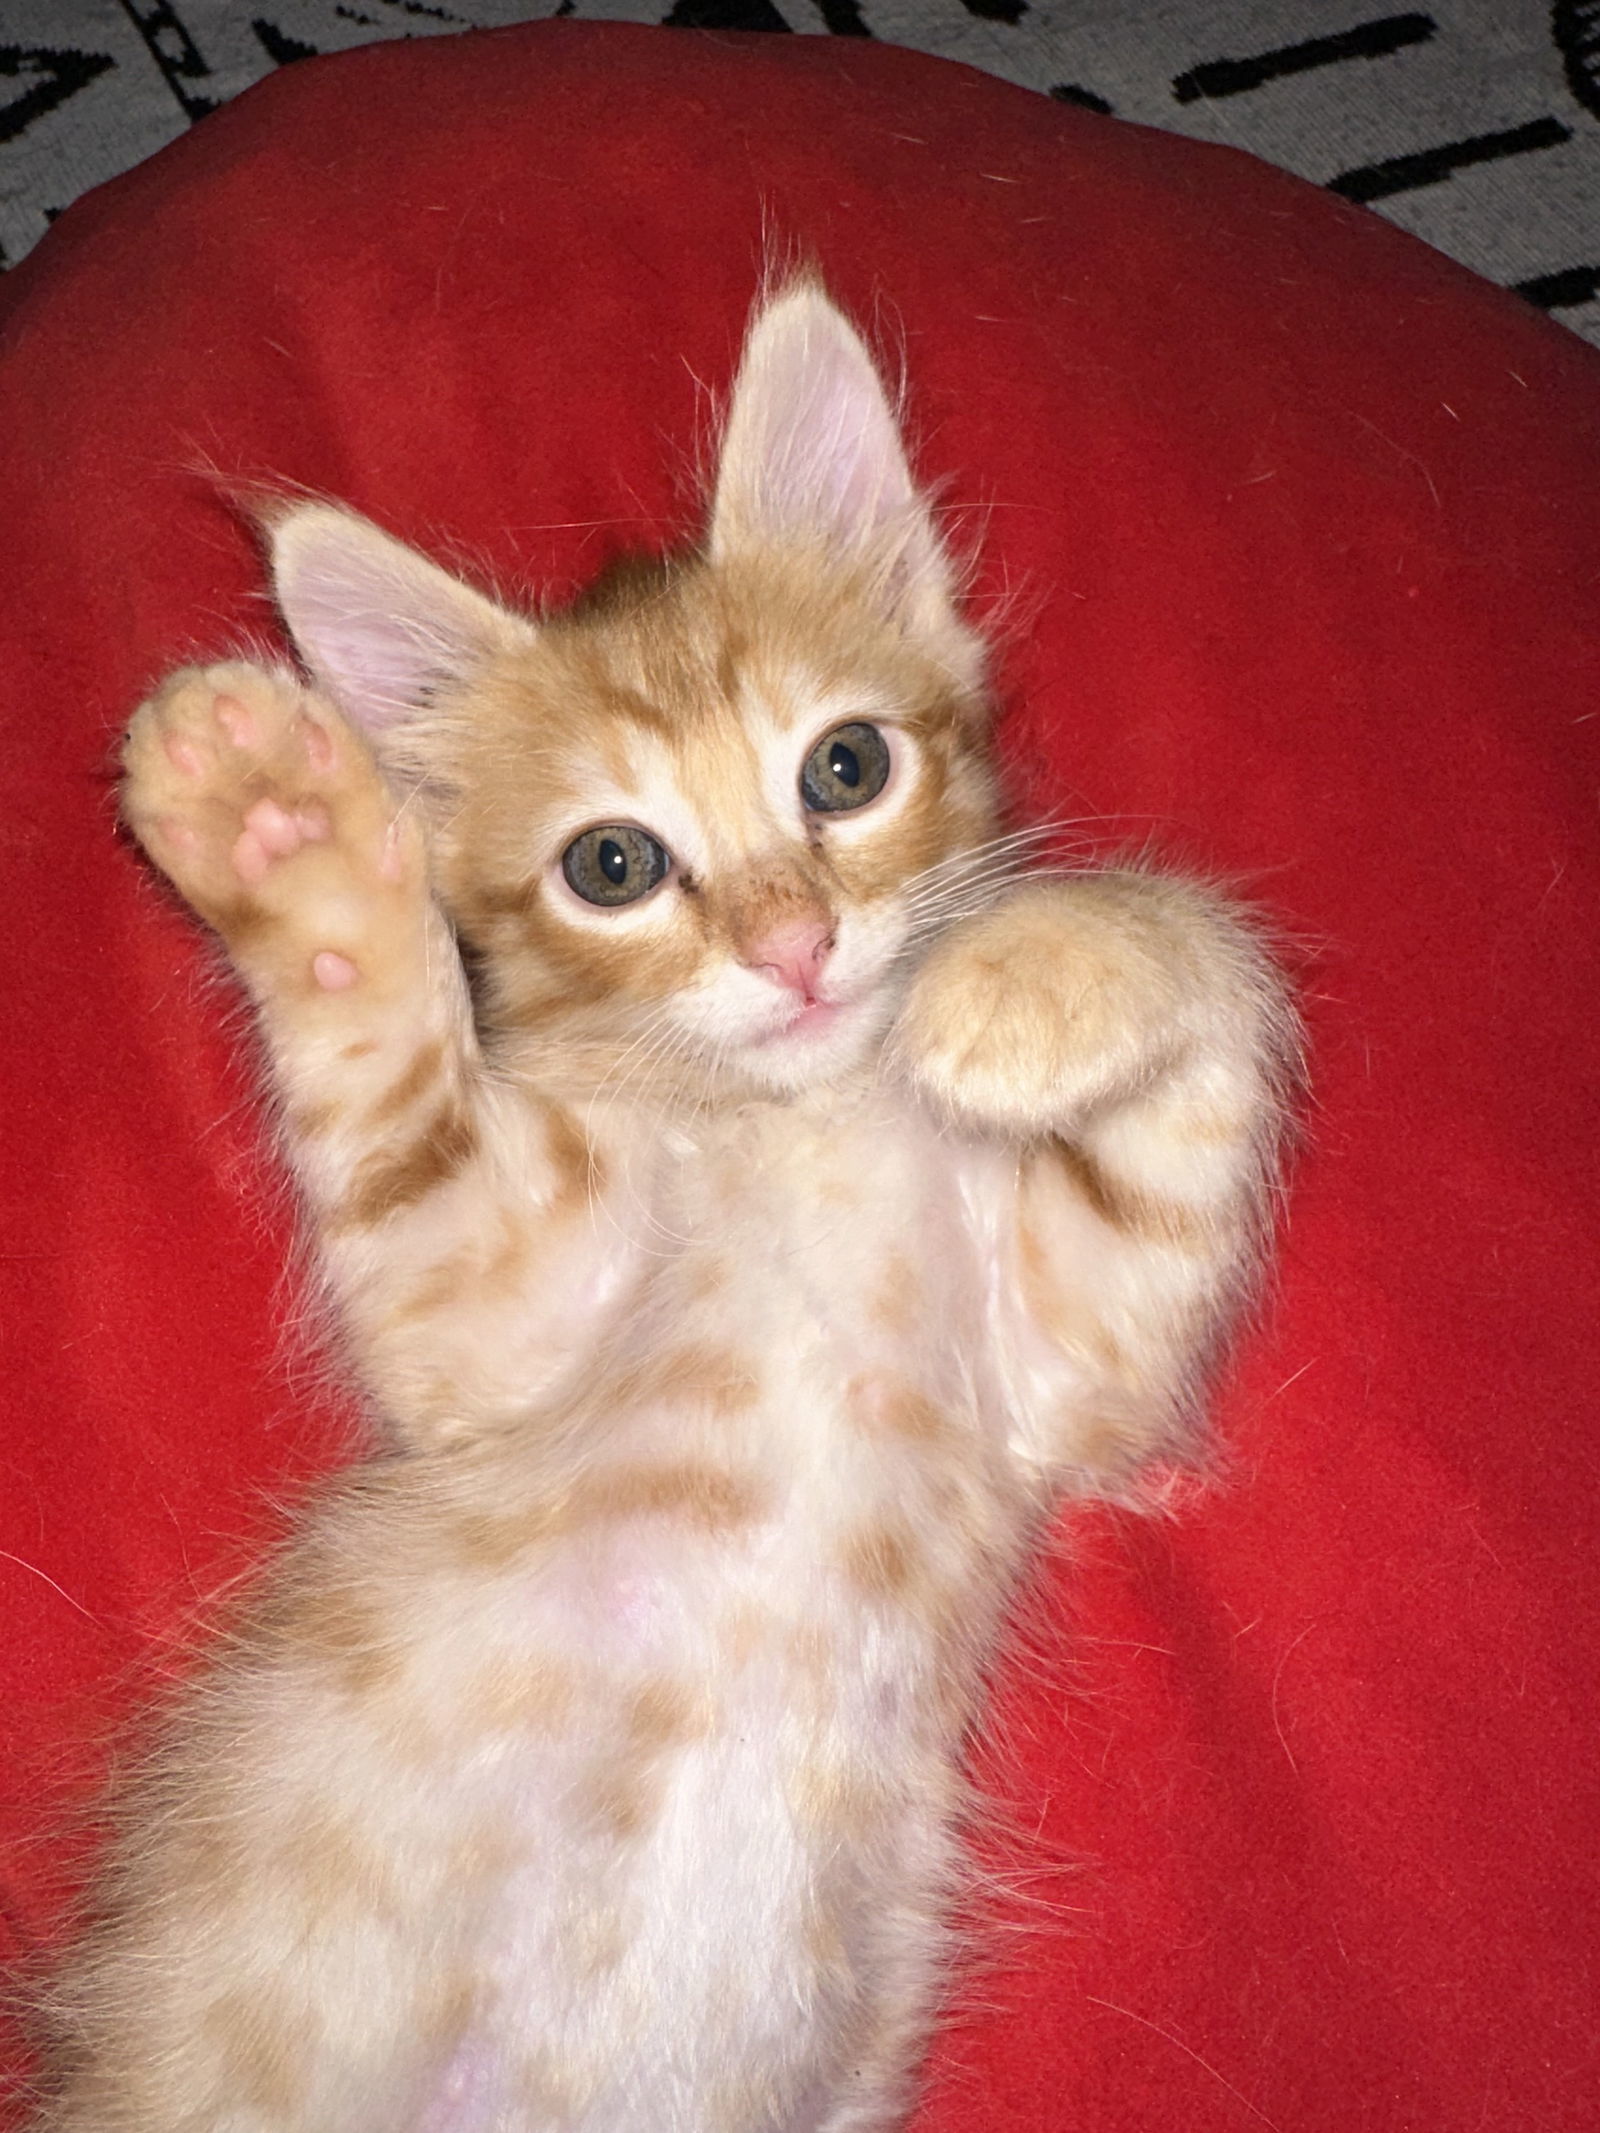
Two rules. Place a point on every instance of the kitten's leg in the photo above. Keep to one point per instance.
(1128, 1032)
(269, 813)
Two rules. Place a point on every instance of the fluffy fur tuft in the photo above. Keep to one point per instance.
(806, 1197)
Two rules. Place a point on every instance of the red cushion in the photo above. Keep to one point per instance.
(1291, 532)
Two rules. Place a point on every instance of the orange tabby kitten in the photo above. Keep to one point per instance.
(807, 1199)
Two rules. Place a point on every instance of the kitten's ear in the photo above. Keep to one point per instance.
(382, 628)
(812, 454)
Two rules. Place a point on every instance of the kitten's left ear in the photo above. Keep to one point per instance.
(811, 456)
(385, 631)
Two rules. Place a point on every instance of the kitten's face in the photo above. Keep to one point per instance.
(683, 825)
(691, 818)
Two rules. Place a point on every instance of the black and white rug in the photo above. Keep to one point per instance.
(1473, 123)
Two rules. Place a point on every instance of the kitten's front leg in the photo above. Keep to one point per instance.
(269, 813)
(1129, 1034)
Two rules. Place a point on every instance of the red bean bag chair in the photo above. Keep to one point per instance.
(1289, 531)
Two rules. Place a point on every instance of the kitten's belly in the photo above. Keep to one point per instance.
(732, 1841)
(717, 1897)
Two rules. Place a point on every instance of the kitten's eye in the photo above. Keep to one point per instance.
(615, 864)
(847, 768)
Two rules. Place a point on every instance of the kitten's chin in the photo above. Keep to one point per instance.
(813, 1021)
(819, 1044)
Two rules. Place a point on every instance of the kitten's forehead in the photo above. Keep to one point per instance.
(687, 701)
(722, 777)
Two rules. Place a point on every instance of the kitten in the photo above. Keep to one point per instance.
(805, 1200)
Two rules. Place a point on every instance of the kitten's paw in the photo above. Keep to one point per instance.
(1028, 1018)
(267, 811)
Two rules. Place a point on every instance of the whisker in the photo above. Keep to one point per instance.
(980, 888)
(1018, 840)
(977, 894)
(1012, 853)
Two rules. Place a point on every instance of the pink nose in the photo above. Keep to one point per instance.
(793, 955)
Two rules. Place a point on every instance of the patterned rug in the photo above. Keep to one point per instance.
(1475, 124)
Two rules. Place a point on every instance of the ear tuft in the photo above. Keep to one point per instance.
(382, 628)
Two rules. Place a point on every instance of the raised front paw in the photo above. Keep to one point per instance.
(268, 812)
(1029, 1017)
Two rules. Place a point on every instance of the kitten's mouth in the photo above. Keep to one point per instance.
(814, 1017)
(811, 1019)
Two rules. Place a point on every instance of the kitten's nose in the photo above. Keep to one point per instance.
(793, 955)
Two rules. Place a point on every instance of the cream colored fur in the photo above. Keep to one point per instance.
(742, 1274)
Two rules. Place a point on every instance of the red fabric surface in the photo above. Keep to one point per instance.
(1292, 534)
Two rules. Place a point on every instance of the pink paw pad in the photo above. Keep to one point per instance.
(235, 720)
(273, 827)
(183, 755)
(182, 836)
(334, 973)
(251, 858)
(318, 742)
(273, 832)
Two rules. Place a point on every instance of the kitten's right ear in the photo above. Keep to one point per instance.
(380, 627)
(812, 456)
